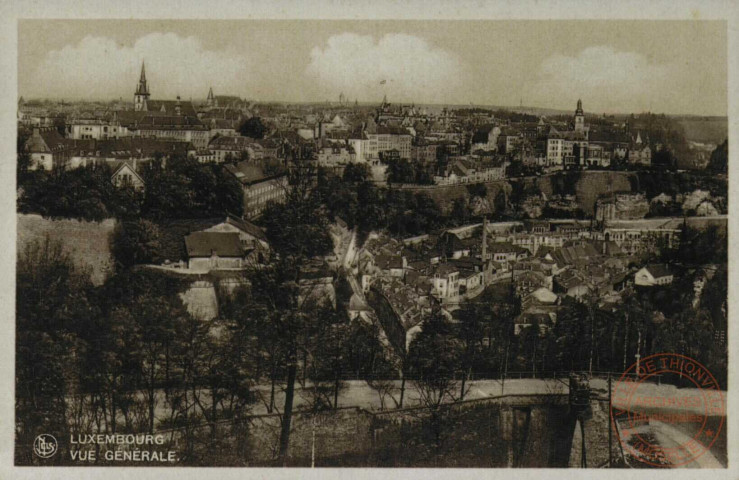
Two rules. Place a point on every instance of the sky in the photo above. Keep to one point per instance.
(673, 67)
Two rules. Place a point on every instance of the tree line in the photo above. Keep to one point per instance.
(178, 188)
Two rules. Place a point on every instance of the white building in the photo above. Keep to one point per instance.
(86, 129)
(651, 275)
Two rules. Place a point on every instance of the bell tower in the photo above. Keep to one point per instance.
(141, 97)
(579, 118)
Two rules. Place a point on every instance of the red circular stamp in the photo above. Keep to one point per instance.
(662, 425)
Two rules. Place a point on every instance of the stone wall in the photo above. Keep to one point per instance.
(596, 428)
(509, 431)
(512, 431)
(587, 186)
(201, 300)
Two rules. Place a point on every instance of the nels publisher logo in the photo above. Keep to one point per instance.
(45, 445)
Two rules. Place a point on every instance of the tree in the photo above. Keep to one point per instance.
(477, 190)
(84, 193)
(136, 242)
(253, 128)
(24, 158)
(460, 211)
(272, 167)
(229, 196)
(569, 331)
(356, 173)
(53, 304)
(327, 348)
(298, 227)
(277, 295)
(471, 330)
(400, 171)
(434, 360)
(298, 231)
(719, 161)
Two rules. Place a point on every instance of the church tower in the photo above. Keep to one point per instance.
(579, 118)
(211, 102)
(141, 97)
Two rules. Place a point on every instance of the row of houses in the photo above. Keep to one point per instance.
(564, 146)
(48, 149)
(455, 266)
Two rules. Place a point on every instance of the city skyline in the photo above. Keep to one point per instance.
(613, 66)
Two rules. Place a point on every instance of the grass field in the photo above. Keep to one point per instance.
(88, 243)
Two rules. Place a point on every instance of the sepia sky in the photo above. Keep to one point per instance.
(677, 67)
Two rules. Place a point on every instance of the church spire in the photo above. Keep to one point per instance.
(141, 96)
(143, 87)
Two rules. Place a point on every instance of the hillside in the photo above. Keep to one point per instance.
(88, 243)
(705, 129)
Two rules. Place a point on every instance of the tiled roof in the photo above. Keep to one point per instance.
(128, 147)
(569, 280)
(658, 270)
(608, 136)
(246, 172)
(386, 262)
(170, 121)
(357, 304)
(173, 231)
(383, 130)
(169, 106)
(204, 244)
(247, 227)
(446, 269)
(502, 247)
(231, 143)
(130, 167)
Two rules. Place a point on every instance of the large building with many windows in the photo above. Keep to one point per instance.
(373, 142)
(259, 189)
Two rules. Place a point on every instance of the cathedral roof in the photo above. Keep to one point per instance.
(168, 107)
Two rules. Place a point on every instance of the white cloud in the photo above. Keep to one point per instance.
(606, 79)
(413, 69)
(98, 67)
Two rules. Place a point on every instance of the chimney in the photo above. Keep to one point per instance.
(484, 239)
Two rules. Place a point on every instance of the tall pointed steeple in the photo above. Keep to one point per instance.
(211, 99)
(143, 88)
(141, 96)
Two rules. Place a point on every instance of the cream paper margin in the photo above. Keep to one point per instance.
(10, 12)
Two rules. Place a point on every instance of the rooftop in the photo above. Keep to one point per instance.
(205, 244)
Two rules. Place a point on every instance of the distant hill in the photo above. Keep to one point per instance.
(705, 129)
